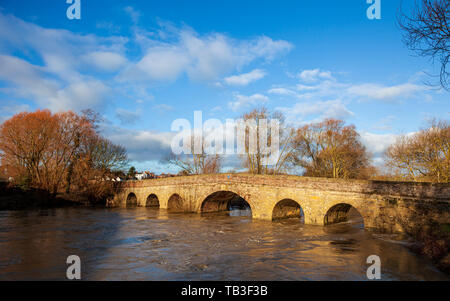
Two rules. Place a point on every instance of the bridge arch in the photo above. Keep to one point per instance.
(343, 212)
(288, 208)
(175, 203)
(131, 200)
(152, 201)
(224, 200)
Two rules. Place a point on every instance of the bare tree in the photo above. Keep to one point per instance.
(99, 161)
(256, 158)
(106, 156)
(194, 163)
(427, 32)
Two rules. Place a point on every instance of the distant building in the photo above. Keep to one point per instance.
(140, 176)
(144, 175)
(166, 175)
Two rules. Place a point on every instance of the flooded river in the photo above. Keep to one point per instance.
(153, 244)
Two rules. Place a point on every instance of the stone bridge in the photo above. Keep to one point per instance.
(384, 206)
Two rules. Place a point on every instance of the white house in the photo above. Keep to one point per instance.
(141, 176)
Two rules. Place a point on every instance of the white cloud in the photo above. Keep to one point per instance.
(8, 111)
(314, 97)
(161, 64)
(324, 89)
(30, 81)
(141, 145)
(19, 72)
(303, 112)
(128, 117)
(265, 47)
(377, 143)
(282, 91)
(310, 76)
(242, 101)
(61, 81)
(60, 49)
(204, 58)
(379, 92)
(245, 78)
(133, 13)
(367, 91)
(78, 96)
(63, 71)
(105, 60)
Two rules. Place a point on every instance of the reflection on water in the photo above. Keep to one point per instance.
(152, 244)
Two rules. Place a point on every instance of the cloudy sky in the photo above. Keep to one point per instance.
(143, 64)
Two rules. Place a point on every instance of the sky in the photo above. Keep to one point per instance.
(144, 64)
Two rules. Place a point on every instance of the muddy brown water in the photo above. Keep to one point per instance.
(153, 244)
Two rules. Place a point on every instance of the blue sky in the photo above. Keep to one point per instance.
(143, 64)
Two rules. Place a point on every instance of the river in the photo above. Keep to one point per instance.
(153, 244)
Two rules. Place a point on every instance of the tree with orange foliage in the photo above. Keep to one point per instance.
(330, 149)
(49, 151)
(24, 141)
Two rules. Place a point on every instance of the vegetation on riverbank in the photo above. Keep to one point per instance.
(16, 198)
(434, 244)
(61, 154)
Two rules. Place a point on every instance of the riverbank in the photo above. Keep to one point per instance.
(435, 245)
(15, 198)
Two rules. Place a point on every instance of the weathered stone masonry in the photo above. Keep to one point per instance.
(385, 206)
